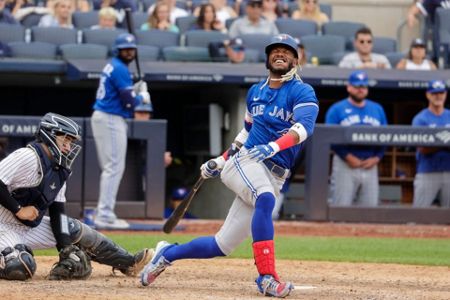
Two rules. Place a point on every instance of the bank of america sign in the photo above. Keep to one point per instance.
(401, 138)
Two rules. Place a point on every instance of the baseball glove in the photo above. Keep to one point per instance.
(73, 264)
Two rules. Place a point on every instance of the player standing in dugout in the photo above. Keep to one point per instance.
(281, 114)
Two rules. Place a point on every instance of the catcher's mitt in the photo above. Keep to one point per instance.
(73, 264)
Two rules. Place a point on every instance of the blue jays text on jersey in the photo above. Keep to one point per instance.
(273, 111)
(346, 114)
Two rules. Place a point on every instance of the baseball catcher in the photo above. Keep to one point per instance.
(32, 182)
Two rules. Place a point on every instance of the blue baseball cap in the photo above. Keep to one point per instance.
(436, 86)
(358, 78)
(179, 193)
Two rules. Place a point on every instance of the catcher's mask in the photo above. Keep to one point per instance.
(54, 126)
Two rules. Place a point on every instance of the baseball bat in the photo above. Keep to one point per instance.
(181, 209)
(130, 27)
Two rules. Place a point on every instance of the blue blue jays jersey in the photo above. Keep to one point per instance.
(346, 114)
(115, 80)
(274, 111)
(440, 160)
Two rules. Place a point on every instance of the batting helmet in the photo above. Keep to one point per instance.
(179, 193)
(53, 125)
(125, 41)
(284, 40)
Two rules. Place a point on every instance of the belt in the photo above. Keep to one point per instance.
(276, 169)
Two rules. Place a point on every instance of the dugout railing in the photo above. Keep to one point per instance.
(317, 163)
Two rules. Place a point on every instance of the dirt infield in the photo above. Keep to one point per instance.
(233, 278)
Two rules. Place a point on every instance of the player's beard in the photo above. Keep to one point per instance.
(355, 97)
(279, 72)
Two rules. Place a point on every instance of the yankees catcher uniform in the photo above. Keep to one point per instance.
(115, 102)
(32, 181)
(355, 168)
(281, 113)
(432, 178)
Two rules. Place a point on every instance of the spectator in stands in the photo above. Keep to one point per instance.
(270, 10)
(223, 11)
(107, 18)
(355, 168)
(174, 11)
(15, 5)
(207, 20)
(118, 5)
(427, 8)
(227, 51)
(432, 179)
(159, 19)
(252, 22)
(363, 58)
(310, 10)
(5, 15)
(60, 17)
(417, 58)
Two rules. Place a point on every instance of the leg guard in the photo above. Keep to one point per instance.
(264, 253)
(17, 263)
(100, 248)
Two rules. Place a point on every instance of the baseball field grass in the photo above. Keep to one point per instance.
(414, 251)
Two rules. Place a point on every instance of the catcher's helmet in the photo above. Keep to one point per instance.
(179, 193)
(284, 40)
(53, 125)
(125, 41)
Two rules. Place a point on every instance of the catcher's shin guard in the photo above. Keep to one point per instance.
(264, 254)
(17, 263)
(100, 248)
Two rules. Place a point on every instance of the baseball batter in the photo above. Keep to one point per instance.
(115, 102)
(432, 179)
(32, 181)
(281, 113)
(355, 168)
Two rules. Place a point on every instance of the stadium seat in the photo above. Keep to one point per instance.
(185, 23)
(139, 18)
(35, 50)
(31, 20)
(147, 4)
(202, 38)
(12, 33)
(384, 45)
(296, 28)
(186, 54)
(257, 42)
(252, 56)
(83, 51)
(148, 53)
(104, 37)
(54, 35)
(159, 38)
(82, 20)
(342, 28)
(324, 47)
(394, 57)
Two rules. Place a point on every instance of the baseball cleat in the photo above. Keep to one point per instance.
(140, 260)
(157, 265)
(268, 286)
